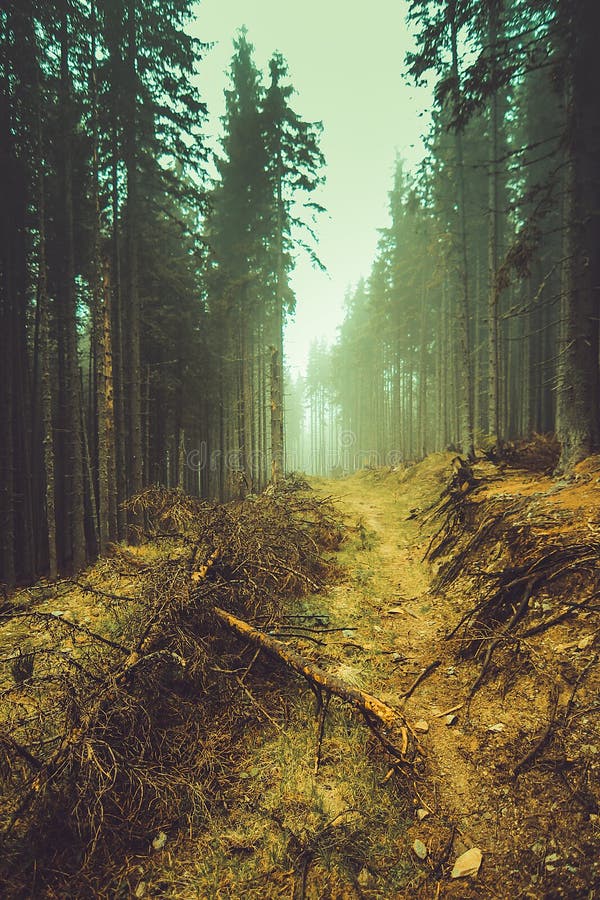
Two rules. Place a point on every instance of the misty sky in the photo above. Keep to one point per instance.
(346, 61)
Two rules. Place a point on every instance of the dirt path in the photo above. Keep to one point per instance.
(400, 630)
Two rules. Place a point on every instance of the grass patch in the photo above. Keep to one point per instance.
(283, 828)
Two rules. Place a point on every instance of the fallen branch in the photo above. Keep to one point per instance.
(541, 742)
(397, 736)
(517, 615)
(420, 677)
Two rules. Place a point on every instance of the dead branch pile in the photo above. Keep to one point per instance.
(114, 731)
(527, 571)
(540, 453)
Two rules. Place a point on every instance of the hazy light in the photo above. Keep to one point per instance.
(346, 62)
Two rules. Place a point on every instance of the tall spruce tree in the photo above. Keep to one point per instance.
(294, 166)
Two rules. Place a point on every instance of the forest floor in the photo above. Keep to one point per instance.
(484, 584)
(513, 771)
(535, 820)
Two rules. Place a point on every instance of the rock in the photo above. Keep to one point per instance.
(586, 642)
(422, 813)
(467, 863)
(420, 849)
(422, 726)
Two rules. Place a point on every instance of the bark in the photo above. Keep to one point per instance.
(133, 318)
(7, 548)
(45, 364)
(464, 307)
(494, 411)
(276, 417)
(116, 324)
(577, 413)
(277, 349)
(181, 460)
(423, 360)
(399, 737)
(99, 328)
(73, 483)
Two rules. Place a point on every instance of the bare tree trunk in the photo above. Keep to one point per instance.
(133, 319)
(181, 461)
(45, 363)
(116, 327)
(464, 307)
(109, 406)
(276, 417)
(577, 413)
(277, 349)
(389, 725)
(423, 360)
(494, 411)
(99, 332)
(73, 476)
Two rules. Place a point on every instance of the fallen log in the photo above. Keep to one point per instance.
(387, 724)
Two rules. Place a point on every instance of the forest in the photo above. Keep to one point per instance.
(202, 548)
(143, 301)
(478, 322)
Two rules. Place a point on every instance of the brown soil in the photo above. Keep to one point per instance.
(538, 830)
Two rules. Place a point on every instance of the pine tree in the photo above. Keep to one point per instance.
(578, 382)
(294, 164)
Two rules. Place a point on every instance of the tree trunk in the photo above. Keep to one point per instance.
(73, 470)
(109, 406)
(118, 356)
(98, 321)
(464, 307)
(133, 312)
(494, 412)
(577, 412)
(388, 724)
(45, 363)
(277, 349)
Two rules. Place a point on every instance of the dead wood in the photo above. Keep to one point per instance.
(107, 741)
(555, 721)
(543, 739)
(322, 707)
(517, 615)
(388, 725)
(420, 677)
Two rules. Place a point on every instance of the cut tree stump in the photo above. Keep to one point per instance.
(387, 724)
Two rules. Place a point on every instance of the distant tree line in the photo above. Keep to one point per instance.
(479, 321)
(142, 299)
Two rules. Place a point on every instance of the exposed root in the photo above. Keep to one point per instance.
(527, 565)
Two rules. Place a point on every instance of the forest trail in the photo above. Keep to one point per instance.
(526, 828)
(400, 628)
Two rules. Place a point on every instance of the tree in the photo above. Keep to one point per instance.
(578, 381)
(294, 164)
